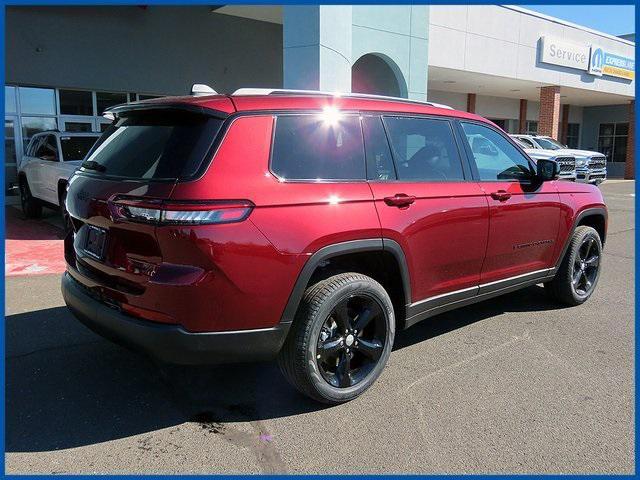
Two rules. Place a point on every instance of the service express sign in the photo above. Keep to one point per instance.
(560, 52)
(590, 58)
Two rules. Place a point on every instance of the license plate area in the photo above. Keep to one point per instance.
(95, 242)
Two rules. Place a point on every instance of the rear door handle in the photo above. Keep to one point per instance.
(399, 200)
(501, 195)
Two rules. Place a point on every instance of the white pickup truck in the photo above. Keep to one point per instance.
(50, 159)
(591, 167)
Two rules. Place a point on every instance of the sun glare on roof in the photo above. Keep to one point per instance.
(331, 116)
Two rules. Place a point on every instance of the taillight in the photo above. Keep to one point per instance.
(165, 212)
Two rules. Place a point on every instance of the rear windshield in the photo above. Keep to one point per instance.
(76, 148)
(154, 145)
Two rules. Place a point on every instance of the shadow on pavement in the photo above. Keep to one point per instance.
(18, 227)
(66, 387)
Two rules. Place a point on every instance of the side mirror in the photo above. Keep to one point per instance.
(547, 170)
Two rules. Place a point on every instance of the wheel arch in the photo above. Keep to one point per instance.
(382, 259)
(595, 217)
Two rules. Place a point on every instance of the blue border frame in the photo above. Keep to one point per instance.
(268, 2)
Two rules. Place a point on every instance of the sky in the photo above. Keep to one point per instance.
(612, 19)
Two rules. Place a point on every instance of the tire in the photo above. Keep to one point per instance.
(582, 261)
(31, 207)
(306, 359)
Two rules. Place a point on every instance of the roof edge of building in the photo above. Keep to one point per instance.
(567, 23)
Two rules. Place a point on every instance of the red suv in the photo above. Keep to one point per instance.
(309, 227)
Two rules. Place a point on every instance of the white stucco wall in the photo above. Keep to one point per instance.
(322, 42)
(503, 41)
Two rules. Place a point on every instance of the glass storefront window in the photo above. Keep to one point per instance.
(105, 100)
(33, 125)
(9, 141)
(37, 100)
(10, 99)
(619, 149)
(77, 127)
(573, 135)
(76, 102)
(612, 141)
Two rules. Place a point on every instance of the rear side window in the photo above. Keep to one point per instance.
(76, 148)
(424, 149)
(379, 159)
(325, 146)
(154, 145)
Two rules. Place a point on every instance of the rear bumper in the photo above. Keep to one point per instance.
(171, 343)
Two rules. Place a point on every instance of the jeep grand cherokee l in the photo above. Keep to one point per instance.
(310, 227)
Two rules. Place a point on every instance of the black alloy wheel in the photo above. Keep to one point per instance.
(580, 269)
(585, 266)
(341, 338)
(351, 341)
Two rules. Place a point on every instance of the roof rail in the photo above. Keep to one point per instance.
(284, 91)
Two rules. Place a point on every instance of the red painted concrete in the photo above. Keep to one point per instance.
(33, 247)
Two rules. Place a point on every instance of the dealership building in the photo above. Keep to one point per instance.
(525, 71)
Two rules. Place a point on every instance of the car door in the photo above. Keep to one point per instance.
(428, 203)
(524, 214)
(32, 165)
(49, 157)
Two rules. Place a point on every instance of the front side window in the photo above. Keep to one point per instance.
(424, 149)
(326, 146)
(48, 150)
(495, 157)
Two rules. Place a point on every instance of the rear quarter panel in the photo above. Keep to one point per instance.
(254, 264)
(296, 217)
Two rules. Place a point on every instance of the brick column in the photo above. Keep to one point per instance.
(564, 124)
(549, 118)
(471, 102)
(630, 160)
(522, 121)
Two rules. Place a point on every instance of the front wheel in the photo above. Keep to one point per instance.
(341, 338)
(579, 271)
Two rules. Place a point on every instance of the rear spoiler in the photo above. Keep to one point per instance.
(118, 110)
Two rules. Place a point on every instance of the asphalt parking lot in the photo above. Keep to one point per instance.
(514, 384)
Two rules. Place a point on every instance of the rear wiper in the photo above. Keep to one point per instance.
(93, 165)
